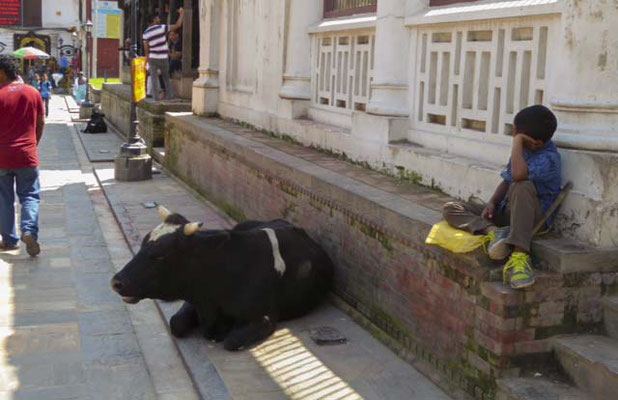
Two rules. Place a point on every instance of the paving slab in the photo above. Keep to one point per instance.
(100, 147)
(289, 365)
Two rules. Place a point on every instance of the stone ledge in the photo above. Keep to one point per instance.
(554, 253)
(156, 107)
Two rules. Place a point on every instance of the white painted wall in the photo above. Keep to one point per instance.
(60, 13)
(568, 48)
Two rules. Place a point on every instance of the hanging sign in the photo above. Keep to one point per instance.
(10, 12)
(108, 20)
(139, 79)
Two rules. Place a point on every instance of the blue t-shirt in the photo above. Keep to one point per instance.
(545, 171)
(45, 89)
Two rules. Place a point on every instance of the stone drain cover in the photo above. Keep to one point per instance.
(324, 335)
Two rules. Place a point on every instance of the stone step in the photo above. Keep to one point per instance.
(591, 361)
(567, 256)
(610, 315)
(537, 389)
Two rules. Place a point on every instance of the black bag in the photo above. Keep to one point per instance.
(96, 124)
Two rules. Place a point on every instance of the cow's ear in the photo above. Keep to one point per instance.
(163, 213)
(192, 227)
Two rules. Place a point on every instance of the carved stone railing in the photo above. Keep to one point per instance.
(473, 78)
(343, 69)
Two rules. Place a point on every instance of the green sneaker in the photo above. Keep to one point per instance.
(518, 271)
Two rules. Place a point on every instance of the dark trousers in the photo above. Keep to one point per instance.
(522, 213)
(46, 101)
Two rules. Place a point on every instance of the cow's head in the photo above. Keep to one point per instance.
(162, 267)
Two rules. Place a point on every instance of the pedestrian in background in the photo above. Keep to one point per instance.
(175, 52)
(157, 53)
(36, 81)
(21, 129)
(45, 88)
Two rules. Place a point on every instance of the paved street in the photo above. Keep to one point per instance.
(66, 335)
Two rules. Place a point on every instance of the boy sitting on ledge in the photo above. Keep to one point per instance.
(531, 183)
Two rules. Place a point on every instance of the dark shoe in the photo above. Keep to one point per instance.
(32, 246)
(499, 249)
(8, 247)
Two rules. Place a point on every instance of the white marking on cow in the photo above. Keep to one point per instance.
(161, 230)
(279, 263)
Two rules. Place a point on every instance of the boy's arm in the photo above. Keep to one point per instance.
(178, 24)
(498, 196)
(519, 168)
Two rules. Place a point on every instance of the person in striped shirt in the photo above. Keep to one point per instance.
(157, 53)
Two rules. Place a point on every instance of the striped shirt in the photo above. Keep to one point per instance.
(156, 36)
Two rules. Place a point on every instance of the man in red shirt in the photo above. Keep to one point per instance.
(22, 117)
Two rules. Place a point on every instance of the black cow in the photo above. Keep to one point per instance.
(236, 283)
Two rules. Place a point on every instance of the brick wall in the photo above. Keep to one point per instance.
(444, 309)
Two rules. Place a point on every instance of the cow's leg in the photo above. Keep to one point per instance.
(243, 335)
(223, 325)
(184, 320)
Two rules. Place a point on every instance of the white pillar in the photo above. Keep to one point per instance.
(390, 83)
(584, 85)
(206, 87)
(300, 15)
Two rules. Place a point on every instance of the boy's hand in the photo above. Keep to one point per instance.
(181, 11)
(488, 211)
(528, 142)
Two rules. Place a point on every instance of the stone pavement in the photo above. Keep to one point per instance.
(67, 336)
(64, 334)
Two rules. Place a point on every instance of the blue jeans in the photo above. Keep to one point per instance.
(24, 181)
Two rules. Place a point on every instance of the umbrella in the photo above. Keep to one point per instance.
(30, 53)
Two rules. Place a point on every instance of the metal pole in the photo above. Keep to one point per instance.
(133, 135)
(88, 59)
(133, 163)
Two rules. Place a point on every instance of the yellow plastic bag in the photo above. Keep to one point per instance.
(455, 240)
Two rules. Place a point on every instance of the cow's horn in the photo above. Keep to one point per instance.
(163, 213)
(192, 227)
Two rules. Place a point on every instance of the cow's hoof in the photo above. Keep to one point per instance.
(179, 326)
(231, 345)
(215, 337)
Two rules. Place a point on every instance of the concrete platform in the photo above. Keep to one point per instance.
(100, 147)
(288, 365)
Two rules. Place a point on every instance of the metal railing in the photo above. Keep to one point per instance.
(342, 8)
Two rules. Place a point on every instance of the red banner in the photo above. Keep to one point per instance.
(10, 12)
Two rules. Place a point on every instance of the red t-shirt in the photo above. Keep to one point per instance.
(20, 107)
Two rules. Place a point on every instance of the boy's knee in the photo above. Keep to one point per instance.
(527, 186)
